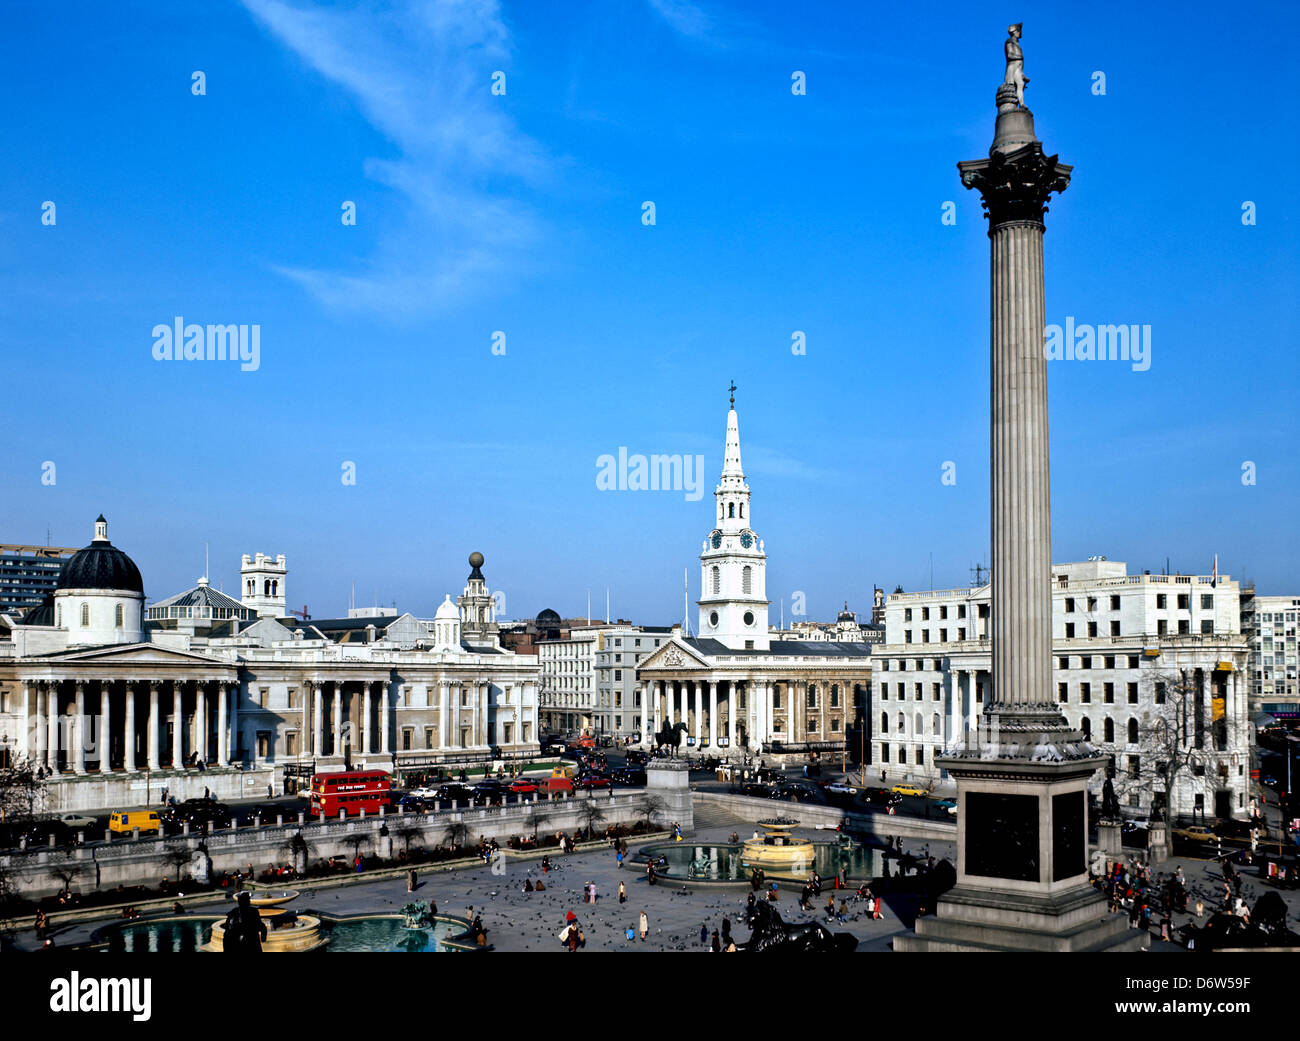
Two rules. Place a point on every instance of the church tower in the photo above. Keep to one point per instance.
(733, 567)
(478, 623)
(262, 585)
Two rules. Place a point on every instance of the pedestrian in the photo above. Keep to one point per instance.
(358, 863)
(643, 925)
(715, 945)
(704, 933)
(410, 881)
(592, 891)
(622, 893)
(41, 924)
(619, 857)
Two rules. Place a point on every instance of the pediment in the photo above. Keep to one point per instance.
(137, 654)
(676, 655)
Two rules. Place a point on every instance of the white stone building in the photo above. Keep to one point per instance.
(115, 709)
(1271, 631)
(1121, 643)
(619, 653)
(733, 687)
(567, 670)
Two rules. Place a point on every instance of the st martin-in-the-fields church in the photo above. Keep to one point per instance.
(733, 687)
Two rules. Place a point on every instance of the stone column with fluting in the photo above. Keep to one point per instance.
(128, 728)
(53, 718)
(1015, 182)
(337, 719)
(78, 743)
(151, 738)
(223, 724)
(178, 727)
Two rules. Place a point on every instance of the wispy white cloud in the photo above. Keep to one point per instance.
(685, 17)
(420, 73)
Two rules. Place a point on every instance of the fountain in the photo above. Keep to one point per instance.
(286, 932)
(778, 848)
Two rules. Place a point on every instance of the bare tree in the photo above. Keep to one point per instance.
(22, 797)
(1178, 742)
(591, 814)
(456, 833)
(651, 808)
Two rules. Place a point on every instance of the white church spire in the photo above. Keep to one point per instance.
(733, 597)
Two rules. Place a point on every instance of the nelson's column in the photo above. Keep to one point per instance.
(1022, 820)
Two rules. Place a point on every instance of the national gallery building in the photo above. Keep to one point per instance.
(201, 691)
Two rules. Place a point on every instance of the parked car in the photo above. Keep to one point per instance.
(947, 804)
(630, 775)
(38, 833)
(1268, 780)
(839, 788)
(762, 791)
(878, 796)
(907, 788)
(590, 781)
(796, 792)
(453, 792)
(426, 791)
(556, 786)
(77, 821)
(523, 786)
(412, 804)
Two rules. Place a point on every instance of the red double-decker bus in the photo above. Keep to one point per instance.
(350, 791)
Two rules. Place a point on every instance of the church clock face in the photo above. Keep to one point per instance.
(716, 537)
(746, 539)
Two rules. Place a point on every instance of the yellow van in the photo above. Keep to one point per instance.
(566, 772)
(145, 820)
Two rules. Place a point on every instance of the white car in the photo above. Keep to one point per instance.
(841, 788)
(424, 792)
(76, 821)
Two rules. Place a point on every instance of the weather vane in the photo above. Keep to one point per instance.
(732, 388)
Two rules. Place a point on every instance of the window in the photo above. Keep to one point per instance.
(731, 510)
(1132, 693)
(1069, 605)
(1134, 766)
(58, 616)
(920, 755)
(1132, 661)
(717, 580)
(1162, 601)
(1114, 628)
(937, 689)
(85, 616)
(428, 737)
(1092, 629)
(1162, 627)
(1085, 725)
(1207, 601)
(746, 580)
(1110, 662)
(1160, 693)
(1063, 693)
(812, 695)
(1114, 603)
(1207, 625)
(407, 736)
(1085, 693)
(1108, 730)
(1069, 630)
(117, 616)
(1184, 601)
(291, 743)
(884, 725)
(1108, 693)
(1132, 731)
(1092, 603)
(835, 696)
(925, 614)
(907, 614)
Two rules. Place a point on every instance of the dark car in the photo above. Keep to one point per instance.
(799, 792)
(489, 793)
(878, 796)
(761, 791)
(630, 775)
(199, 812)
(635, 756)
(37, 833)
(412, 804)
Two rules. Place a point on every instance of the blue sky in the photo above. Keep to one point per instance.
(522, 213)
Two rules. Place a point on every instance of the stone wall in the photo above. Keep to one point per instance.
(146, 861)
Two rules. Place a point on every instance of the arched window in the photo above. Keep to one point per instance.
(85, 616)
(266, 587)
(275, 587)
(1086, 726)
(1132, 731)
(746, 580)
(1108, 730)
(884, 722)
(117, 616)
(742, 509)
(902, 723)
(920, 727)
(936, 728)
(731, 512)
(717, 580)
